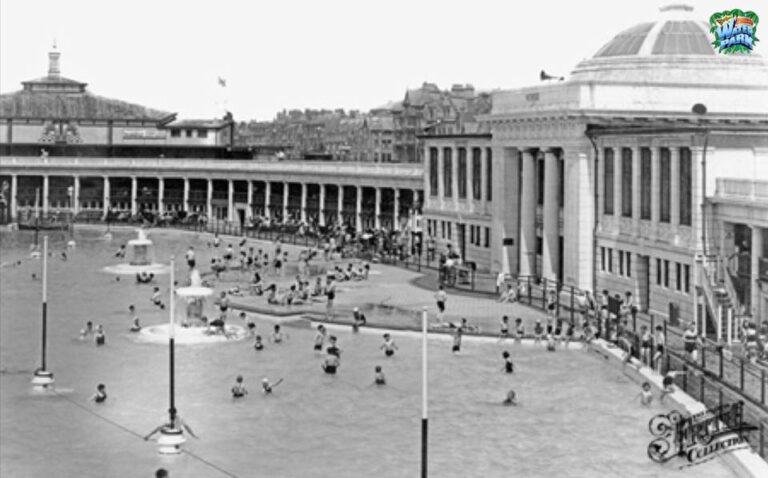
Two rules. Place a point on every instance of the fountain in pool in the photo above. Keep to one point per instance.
(190, 329)
(140, 255)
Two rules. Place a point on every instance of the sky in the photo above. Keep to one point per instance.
(285, 54)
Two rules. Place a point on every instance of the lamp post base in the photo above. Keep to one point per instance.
(42, 379)
(170, 441)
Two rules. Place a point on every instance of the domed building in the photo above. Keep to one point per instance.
(615, 178)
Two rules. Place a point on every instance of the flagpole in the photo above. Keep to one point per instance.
(171, 345)
(42, 377)
(424, 417)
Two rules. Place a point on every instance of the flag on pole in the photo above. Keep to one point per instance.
(222, 82)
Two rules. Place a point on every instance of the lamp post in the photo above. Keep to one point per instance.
(700, 110)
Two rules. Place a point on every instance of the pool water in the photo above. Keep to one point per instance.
(576, 415)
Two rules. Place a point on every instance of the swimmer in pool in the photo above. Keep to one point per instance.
(646, 396)
(155, 299)
(267, 387)
(136, 327)
(511, 399)
(668, 384)
(379, 378)
(100, 338)
(333, 349)
(551, 346)
(358, 319)
(277, 336)
(257, 344)
(504, 328)
(101, 394)
(389, 346)
(331, 364)
(457, 340)
(320, 338)
(538, 332)
(238, 389)
(249, 323)
(509, 367)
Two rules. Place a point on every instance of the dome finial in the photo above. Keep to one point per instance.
(53, 61)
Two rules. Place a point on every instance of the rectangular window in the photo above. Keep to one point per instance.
(462, 173)
(628, 266)
(433, 171)
(645, 183)
(621, 263)
(610, 260)
(447, 172)
(658, 272)
(175, 133)
(686, 187)
(687, 279)
(189, 133)
(664, 186)
(487, 237)
(608, 182)
(449, 228)
(540, 182)
(202, 133)
(477, 172)
(442, 229)
(489, 173)
(678, 276)
(471, 234)
(666, 273)
(602, 259)
(626, 182)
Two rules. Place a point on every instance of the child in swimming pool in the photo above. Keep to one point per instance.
(457, 340)
(646, 396)
(333, 349)
(320, 338)
(538, 332)
(388, 346)
(551, 345)
(331, 364)
(267, 387)
(519, 330)
(257, 344)
(668, 384)
(136, 327)
(504, 328)
(101, 394)
(238, 389)
(156, 298)
(276, 336)
(100, 338)
(249, 323)
(509, 367)
(378, 377)
(511, 399)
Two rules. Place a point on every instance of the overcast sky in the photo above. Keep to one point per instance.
(279, 54)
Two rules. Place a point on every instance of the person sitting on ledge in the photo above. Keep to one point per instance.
(256, 287)
(144, 277)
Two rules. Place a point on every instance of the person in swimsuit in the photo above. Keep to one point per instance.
(101, 339)
(538, 332)
(267, 387)
(223, 302)
(378, 377)
(101, 394)
(156, 299)
(358, 319)
(320, 338)
(457, 340)
(519, 330)
(504, 328)
(690, 341)
(276, 336)
(190, 256)
(120, 252)
(646, 345)
(388, 346)
(136, 327)
(257, 344)
(646, 396)
(551, 344)
(216, 240)
(332, 348)
(238, 389)
(440, 298)
(249, 323)
(330, 293)
(331, 364)
(509, 366)
(511, 399)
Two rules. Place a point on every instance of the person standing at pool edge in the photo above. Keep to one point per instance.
(440, 298)
(330, 293)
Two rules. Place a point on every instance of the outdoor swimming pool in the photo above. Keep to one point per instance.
(576, 416)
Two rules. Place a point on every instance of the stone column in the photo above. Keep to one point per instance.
(286, 190)
(185, 200)
(415, 196)
(160, 194)
(230, 200)
(484, 180)
(105, 192)
(359, 209)
(655, 188)
(551, 235)
(396, 214)
(697, 195)
(455, 177)
(321, 207)
(578, 216)
(46, 182)
(209, 201)
(377, 209)
(470, 179)
(267, 195)
(636, 175)
(303, 212)
(75, 195)
(249, 200)
(134, 187)
(528, 215)
(14, 195)
(504, 212)
(440, 177)
(340, 205)
(674, 186)
(754, 283)
(617, 170)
